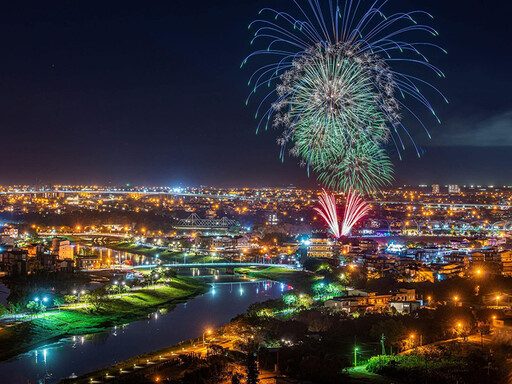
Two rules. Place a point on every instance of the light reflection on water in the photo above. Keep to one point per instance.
(81, 354)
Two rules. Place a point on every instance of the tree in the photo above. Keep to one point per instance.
(69, 299)
(35, 307)
(3, 310)
(236, 378)
(252, 368)
(96, 299)
(58, 301)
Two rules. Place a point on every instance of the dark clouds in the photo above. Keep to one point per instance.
(478, 131)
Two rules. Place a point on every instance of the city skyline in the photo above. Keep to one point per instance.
(116, 95)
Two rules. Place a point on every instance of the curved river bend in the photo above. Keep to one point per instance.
(80, 355)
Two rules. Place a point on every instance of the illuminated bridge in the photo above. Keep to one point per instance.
(215, 265)
(195, 223)
(442, 205)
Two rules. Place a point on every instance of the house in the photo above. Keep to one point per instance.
(405, 306)
(13, 261)
(348, 303)
(502, 327)
(405, 295)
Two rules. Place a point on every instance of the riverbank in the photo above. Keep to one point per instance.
(23, 336)
(163, 254)
(293, 277)
(146, 363)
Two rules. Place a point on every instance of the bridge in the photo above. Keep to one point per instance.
(80, 234)
(194, 222)
(440, 205)
(214, 265)
(137, 192)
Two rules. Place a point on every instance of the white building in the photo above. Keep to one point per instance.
(453, 189)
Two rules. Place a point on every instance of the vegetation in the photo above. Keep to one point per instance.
(165, 255)
(440, 366)
(100, 313)
(293, 277)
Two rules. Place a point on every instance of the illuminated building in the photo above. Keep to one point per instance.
(435, 189)
(453, 189)
(320, 248)
(66, 250)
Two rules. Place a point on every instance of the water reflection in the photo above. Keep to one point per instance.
(81, 354)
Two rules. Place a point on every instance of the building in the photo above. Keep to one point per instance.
(503, 327)
(405, 306)
(14, 261)
(453, 189)
(405, 295)
(435, 189)
(506, 263)
(447, 271)
(221, 242)
(320, 248)
(47, 261)
(11, 232)
(66, 250)
(368, 245)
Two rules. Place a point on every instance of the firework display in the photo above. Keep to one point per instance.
(328, 211)
(335, 88)
(355, 209)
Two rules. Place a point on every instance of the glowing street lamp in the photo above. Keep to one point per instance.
(497, 300)
(207, 332)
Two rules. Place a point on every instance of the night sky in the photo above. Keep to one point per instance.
(151, 92)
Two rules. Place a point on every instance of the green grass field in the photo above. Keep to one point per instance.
(24, 336)
(282, 275)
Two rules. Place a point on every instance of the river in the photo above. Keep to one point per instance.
(79, 355)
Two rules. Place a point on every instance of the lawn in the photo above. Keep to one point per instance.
(284, 275)
(24, 336)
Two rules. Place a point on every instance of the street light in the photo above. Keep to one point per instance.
(209, 332)
(497, 299)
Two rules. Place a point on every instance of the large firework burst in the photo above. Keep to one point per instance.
(337, 97)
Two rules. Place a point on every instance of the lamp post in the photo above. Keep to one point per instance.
(208, 331)
(497, 300)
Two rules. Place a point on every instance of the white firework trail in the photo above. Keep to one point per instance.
(328, 212)
(355, 209)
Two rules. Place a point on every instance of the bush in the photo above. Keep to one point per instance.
(441, 370)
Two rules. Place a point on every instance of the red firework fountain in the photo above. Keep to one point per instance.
(355, 209)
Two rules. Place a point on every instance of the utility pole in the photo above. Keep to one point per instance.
(382, 339)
